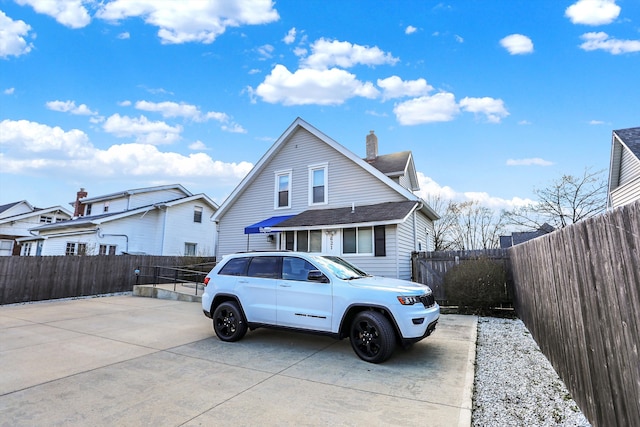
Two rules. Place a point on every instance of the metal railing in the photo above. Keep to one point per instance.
(187, 276)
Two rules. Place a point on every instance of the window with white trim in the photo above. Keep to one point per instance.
(46, 219)
(107, 250)
(190, 249)
(106, 207)
(282, 197)
(26, 249)
(76, 248)
(303, 240)
(197, 214)
(318, 184)
(364, 240)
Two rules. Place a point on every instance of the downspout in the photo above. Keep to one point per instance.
(100, 235)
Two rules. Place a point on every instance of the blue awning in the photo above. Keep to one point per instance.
(265, 225)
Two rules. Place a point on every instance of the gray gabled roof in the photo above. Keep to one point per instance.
(631, 138)
(393, 164)
(388, 212)
(9, 206)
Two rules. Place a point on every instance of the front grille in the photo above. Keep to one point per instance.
(428, 300)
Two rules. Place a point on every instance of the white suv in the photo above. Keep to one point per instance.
(319, 294)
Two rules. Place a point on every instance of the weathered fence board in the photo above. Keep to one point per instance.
(430, 267)
(577, 290)
(24, 279)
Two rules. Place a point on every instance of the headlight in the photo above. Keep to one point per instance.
(408, 300)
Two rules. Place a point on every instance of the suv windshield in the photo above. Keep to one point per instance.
(341, 268)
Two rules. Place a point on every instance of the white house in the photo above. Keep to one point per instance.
(309, 193)
(163, 220)
(624, 172)
(17, 218)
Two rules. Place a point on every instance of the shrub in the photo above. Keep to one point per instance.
(476, 286)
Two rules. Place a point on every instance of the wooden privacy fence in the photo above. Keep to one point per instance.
(24, 279)
(430, 268)
(578, 292)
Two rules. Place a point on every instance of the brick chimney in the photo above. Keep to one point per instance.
(78, 207)
(372, 146)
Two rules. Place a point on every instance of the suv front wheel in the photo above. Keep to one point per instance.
(372, 337)
(228, 322)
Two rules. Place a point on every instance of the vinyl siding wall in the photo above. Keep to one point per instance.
(380, 266)
(347, 184)
(626, 193)
(629, 167)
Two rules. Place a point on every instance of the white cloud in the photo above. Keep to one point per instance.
(170, 109)
(9, 91)
(327, 53)
(197, 146)
(312, 87)
(193, 21)
(265, 51)
(440, 107)
(70, 107)
(458, 38)
(596, 122)
(12, 37)
(430, 188)
(30, 147)
(395, 87)
(70, 13)
(125, 103)
(143, 130)
(493, 109)
(524, 122)
(593, 12)
(290, 37)
(124, 36)
(534, 161)
(30, 137)
(410, 29)
(601, 41)
(517, 44)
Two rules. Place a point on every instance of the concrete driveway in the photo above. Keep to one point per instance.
(126, 360)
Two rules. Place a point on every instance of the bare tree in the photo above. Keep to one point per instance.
(565, 201)
(477, 227)
(443, 228)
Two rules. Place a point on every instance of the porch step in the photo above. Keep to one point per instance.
(166, 291)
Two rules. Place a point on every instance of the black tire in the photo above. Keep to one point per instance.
(372, 337)
(228, 322)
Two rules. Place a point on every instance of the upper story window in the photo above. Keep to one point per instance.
(318, 188)
(45, 219)
(283, 190)
(197, 214)
(106, 207)
(89, 209)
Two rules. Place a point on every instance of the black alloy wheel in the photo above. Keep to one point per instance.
(228, 322)
(372, 337)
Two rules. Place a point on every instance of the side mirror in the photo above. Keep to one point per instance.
(317, 276)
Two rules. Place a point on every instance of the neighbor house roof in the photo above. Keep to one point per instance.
(622, 139)
(277, 146)
(396, 164)
(119, 194)
(381, 213)
(107, 217)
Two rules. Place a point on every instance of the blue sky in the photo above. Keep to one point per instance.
(494, 98)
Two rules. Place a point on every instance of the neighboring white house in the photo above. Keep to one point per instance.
(624, 172)
(164, 220)
(17, 218)
(309, 193)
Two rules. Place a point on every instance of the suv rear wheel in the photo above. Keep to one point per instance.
(372, 337)
(228, 322)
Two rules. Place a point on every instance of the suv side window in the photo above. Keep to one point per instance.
(235, 267)
(294, 268)
(265, 266)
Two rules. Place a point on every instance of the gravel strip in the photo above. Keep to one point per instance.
(515, 385)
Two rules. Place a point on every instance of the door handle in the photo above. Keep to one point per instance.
(285, 286)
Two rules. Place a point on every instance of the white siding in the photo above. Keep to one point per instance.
(135, 201)
(629, 167)
(626, 193)
(406, 245)
(379, 266)
(181, 229)
(348, 183)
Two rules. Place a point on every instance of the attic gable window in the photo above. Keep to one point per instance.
(197, 214)
(318, 188)
(283, 190)
(45, 219)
